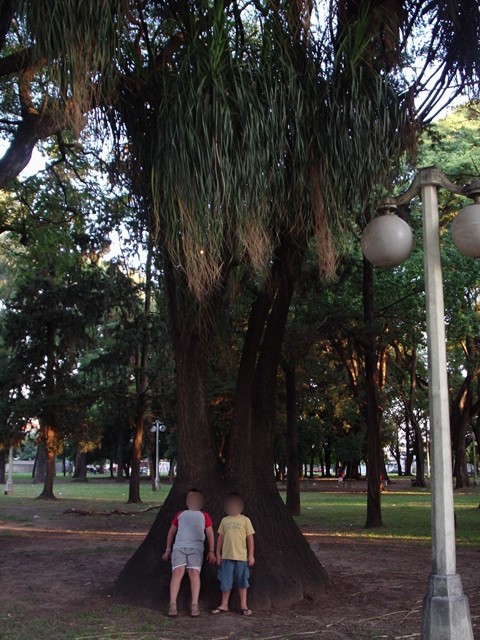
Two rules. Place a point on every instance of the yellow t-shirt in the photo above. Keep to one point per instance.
(235, 530)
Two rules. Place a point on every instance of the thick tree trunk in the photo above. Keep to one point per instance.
(293, 461)
(145, 578)
(286, 569)
(372, 413)
(80, 473)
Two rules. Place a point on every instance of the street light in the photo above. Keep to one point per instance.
(9, 483)
(157, 428)
(446, 613)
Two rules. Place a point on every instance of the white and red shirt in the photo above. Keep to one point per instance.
(191, 527)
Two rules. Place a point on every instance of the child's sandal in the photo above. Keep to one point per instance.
(172, 611)
(247, 612)
(194, 611)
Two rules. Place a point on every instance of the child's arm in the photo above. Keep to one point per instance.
(170, 538)
(251, 549)
(219, 549)
(211, 544)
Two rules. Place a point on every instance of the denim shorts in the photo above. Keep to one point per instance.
(187, 557)
(233, 573)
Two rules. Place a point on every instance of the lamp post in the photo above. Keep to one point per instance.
(446, 613)
(157, 428)
(9, 483)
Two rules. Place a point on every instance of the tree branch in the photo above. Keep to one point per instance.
(17, 62)
(32, 129)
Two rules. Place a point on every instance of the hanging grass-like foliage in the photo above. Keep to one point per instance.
(242, 128)
(257, 141)
(79, 40)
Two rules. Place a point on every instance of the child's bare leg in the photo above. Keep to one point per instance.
(175, 582)
(223, 606)
(194, 577)
(243, 598)
(243, 602)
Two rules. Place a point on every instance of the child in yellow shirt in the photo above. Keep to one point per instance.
(235, 553)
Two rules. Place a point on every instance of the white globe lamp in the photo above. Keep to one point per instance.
(466, 231)
(387, 241)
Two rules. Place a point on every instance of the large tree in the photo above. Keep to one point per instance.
(246, 133)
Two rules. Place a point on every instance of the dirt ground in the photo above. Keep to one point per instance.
(66, 564)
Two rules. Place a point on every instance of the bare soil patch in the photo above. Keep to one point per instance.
(57, 570)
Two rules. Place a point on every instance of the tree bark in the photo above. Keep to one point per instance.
(49, 437)
(141, 382)
(286, 569)
(460, 421)
(293, 461)
(120, 477)
(328, 459)
(40, 464)
(80, 473)
(47, 420)
(372, 412)
(398, 458)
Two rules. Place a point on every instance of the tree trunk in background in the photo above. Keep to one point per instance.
(40, 464)
(419, 456)
(460, 469)
(49, 437)
(80, 473)
(120, 448)
(141, 382)
(2, 466)
(328, 459)
(372, 411)
(460, 421)
(47, 420)
(398, 459)
(134, 482)
(293, 461)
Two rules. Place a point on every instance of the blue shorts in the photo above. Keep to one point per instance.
(233, 573)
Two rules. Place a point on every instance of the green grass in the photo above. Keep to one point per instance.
(98, 494)
(406, 515)
(97, 488)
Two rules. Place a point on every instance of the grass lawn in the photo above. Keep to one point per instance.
(406, 515)
(406, 511)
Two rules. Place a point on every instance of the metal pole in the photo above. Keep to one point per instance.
(427, 448)
(475, 478)
(446, 614)
(9, 483)
(157, 474)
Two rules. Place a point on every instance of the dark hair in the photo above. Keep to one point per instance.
(193, 490)
(235, 496)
